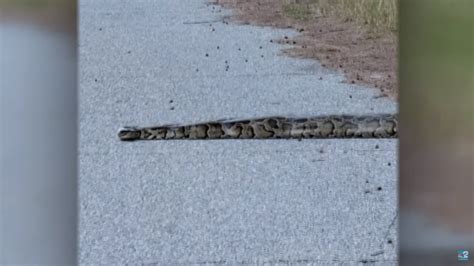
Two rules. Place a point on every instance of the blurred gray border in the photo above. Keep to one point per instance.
(38, 159)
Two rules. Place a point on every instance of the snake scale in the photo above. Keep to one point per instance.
(319, 127)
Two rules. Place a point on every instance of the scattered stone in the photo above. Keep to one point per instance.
(380, 252)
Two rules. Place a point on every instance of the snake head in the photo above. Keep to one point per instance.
(129, 133)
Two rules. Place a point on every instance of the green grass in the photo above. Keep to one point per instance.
(436, 66)
(297, 11)
(375, 15)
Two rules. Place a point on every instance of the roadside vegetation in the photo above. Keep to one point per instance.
(356, 37)
(378, 16)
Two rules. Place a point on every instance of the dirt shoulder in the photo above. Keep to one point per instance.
(365, 58)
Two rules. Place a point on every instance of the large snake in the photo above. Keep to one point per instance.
(319, 127)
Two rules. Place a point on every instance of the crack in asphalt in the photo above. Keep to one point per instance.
(392, 223)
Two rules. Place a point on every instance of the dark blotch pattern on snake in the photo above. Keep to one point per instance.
(319, 127)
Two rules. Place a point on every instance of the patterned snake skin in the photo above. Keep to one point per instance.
(333, 126)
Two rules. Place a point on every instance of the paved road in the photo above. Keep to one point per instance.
(143, 63)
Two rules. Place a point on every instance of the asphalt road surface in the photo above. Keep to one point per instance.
(224, 201)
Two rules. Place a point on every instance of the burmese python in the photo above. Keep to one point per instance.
(332, 126)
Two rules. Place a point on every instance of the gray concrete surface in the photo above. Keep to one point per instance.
(323, 202)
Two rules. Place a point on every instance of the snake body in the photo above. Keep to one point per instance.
(319, 127)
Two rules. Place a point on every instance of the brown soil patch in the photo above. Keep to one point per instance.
(365, 58)
(60, 18)
(436, 179)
